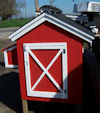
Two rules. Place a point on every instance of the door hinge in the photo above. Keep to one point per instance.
(64, 91)
(64, 51)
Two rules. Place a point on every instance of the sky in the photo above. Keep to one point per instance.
(65, 5)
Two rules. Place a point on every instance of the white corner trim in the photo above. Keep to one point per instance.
(27, 47)
(82, 49)
(7, 65)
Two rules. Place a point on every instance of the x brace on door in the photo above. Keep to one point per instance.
(46, 70)
(42, 46)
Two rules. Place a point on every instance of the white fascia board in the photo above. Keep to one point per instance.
(11, 48)
(70, 26)
(70, 30)
(35, 24)
(46, 17)
(26, 25)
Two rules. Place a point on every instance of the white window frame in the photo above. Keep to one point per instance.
(27, 47)
(7, 65)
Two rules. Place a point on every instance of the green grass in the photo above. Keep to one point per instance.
(13, 22)
(0, 42)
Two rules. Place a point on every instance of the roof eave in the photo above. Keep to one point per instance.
(48, 17)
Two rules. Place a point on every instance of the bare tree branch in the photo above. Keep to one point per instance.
(8, 8)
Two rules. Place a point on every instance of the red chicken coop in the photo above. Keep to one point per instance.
(49, 55)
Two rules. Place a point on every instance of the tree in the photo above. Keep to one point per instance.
(8, 8)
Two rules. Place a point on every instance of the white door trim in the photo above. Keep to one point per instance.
(46, 46)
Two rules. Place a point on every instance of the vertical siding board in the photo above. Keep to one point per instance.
(12, 57)
(51, 32)
(21, 69)
(75, 69)
(41, 33)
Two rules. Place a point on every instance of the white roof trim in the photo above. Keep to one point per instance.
(7, 65)
(26, 25)
(47, 17)
(70, 26)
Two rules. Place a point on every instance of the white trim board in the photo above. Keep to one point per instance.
(7, 65)
(54, 20)
(27, 47)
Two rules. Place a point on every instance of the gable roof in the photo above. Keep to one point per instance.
(59, 20)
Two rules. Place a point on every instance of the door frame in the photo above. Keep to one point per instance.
(27, 47)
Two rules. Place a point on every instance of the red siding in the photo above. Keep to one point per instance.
(12, 57)
(48, 32)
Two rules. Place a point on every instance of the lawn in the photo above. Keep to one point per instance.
(13, 22)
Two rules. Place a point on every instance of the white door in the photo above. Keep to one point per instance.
(31, 59)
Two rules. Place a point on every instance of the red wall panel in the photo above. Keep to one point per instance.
(12, 57)
(48, 32)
